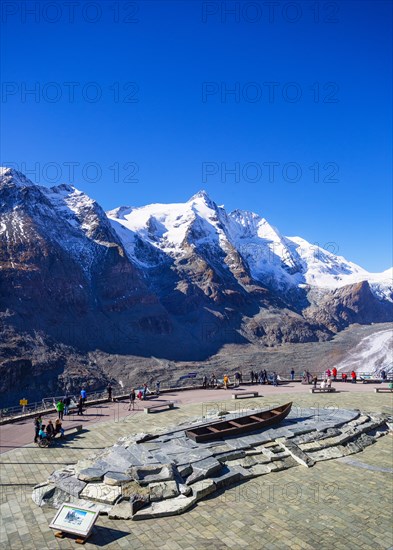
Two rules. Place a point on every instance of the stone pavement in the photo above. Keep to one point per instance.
(334, 505)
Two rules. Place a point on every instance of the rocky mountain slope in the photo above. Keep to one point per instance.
(174, 281)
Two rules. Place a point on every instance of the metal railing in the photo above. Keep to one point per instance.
(48, 403)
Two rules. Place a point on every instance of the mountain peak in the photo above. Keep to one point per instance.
(10, 175)
(204, 197)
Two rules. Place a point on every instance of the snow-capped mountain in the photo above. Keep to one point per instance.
(175, 281)
(271, 258)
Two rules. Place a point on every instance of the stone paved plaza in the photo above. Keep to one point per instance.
(337, 504)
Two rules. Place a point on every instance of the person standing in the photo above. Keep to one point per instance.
(109, 390)
(204, 381)
(37, 427)
(158, 384)
(334, 372)
(80, 406)
(275, 379)
(226, 381)
(83, 395)
(292, 374)
(252, 376)
(353, 376)
(67, 403)
(132, 400)
(60, 409)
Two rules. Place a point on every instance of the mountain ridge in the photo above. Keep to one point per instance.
(178, 282)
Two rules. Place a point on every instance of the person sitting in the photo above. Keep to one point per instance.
(323, 384)
(329, 383)
(42, 433)
(59, 428)
(50, 430)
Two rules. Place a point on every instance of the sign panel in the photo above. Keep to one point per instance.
(74, 520)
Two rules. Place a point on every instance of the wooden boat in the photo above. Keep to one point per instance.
(240, 425)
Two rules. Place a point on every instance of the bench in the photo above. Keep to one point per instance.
(148, 408)
(245, 395)
(370, 381)
(323, 390)
(383, 390)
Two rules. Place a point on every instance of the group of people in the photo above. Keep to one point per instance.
(48, 431)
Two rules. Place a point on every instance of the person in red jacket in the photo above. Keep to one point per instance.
(353, 376)
(334, 372)
(344, 377)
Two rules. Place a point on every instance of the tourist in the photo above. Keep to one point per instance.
(265, 376)
(344, 376)
(241, 377)
(60, 409)
(59, 428)
(292, 374)
(67, 403)
(50, 430)
(144, 392)
(158, 384)
(204, 381)
(383, 375)
(353, 377)
(140, 395)
(37, 427)
(80, 406)
(252, 376)
(334, 372)
(42, 433)
(323, 384)
(109, 390)
(132, 400)
(237, 379)
(328, 373)
(275, 379)
(226, 381)
(315, 380)
(83, 395)
(329, 383)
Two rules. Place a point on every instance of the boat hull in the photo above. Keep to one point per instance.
(238, 426)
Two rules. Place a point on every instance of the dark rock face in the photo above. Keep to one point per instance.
(69, 288)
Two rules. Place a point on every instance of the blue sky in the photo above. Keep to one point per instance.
(136, 96)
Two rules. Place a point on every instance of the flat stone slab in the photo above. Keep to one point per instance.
(203, 469)
(101, 493)
(152, 474)
(170, 507)
(91, 474)
(134, 489)
(201, 489)
(227, 477)
(116, 478)
(71, 485)
(123, 510)
(163, 490)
